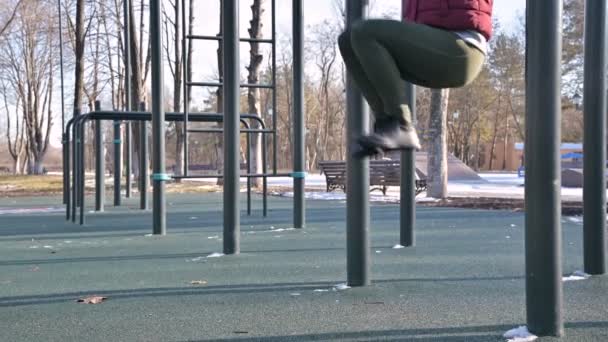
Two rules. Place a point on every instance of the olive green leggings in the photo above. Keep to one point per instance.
(380, 54)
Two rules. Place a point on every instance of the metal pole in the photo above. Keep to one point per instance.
(408, 181)
(186, 97)
(274, 86)
(82, 176)
(128, 147)
(248, 137)
(543, 178)
(231, 126)
(100, 164)
(357, 196)
(66, 176)
(594, 180)
(128, 159)
(264, 179)
(299, 162)
(75, 138)
(66, 173)
(159, 177)
(117, 166)
(143, 162)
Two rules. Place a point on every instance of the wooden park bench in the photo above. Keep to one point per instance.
(382, 174)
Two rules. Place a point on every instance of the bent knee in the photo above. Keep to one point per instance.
(344, 38)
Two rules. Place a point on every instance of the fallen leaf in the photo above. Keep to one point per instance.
(92, 300)
(198, 282)
(241, 332)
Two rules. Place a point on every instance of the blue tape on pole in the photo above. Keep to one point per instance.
(161, 177)
(117, 141)
(299, 174)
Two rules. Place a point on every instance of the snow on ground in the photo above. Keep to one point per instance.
(500, 185)
(519, 334)
(577, 275)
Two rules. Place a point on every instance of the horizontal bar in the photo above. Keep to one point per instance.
(252, 175)
(219, 130)
(220, 84)
(218, 38)
(170, 116)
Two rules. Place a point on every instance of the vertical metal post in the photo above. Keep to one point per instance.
(264, 179)
(82, 175)
(100, 164)
(159, 177)
(594, 180)
(66, 176)
(143, 161)
(128, 145)
(75, 138)
(408, 181)
(248, 137)
(299, 162)
(117, 165)
(274, 86)
(543, 178)
(231, 126)
(66, 173)
(128, 158)
(357, 196)
(186, 97)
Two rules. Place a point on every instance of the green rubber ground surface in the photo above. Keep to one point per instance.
(462, 282)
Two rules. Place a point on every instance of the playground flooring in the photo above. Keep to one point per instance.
(463, 281)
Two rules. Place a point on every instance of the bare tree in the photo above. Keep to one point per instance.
(15, 144)
(28, 62)
(253, 77)
(173, 34)
(5, 23)
(437, 169)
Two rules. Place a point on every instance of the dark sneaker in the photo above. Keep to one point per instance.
(389, 135)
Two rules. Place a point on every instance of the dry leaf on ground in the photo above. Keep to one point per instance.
(198, 282)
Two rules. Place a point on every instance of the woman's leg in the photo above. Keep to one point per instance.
(389, 51)
(355, 69)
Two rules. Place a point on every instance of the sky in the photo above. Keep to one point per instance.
(315, 13)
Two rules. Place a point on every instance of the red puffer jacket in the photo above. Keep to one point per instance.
(451, 14)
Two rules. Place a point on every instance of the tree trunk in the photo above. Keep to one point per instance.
(219, 140)
(79, 54)
(253, 94)
(437, 167)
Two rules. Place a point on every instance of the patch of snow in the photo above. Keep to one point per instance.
(378, 252)
(196, 259)
(148, 235)
(320, 290)
(341, 287)
(577, 275)
(508, 237)
(519, 334)
(48, 247)
(575, 219)
(398, 247)
(193, 218)
(215, 255)
(513, 225)
(67, 241)
(34, 247)
(295, 294)
(213, 237)
(427, 199)
(282, 230)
